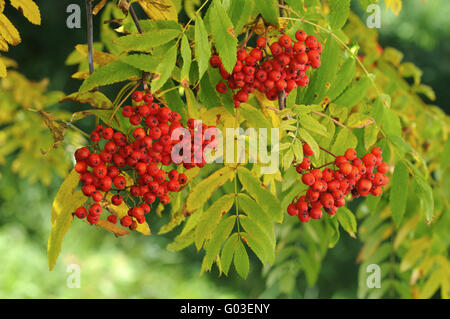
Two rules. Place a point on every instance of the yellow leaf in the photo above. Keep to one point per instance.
(203, 190)
(8, 31)
(2, 69)
(394, 5)
(3, 45)
(159, 9)
(29, 9)
(10, 63)
(80, 75)
(99, 6)
(100, 58)
(64, 204)
(2, 5)
(96, 99)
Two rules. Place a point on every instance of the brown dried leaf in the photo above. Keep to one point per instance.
(116, 230)
(57, 129)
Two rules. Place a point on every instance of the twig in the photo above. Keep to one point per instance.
(281, 2)
(135, 19)
(90, 35)
(331, 118)
(281, 99)
(325, 150)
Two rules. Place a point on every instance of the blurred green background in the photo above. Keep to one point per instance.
(137, 266)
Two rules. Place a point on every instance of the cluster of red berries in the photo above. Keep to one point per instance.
(283, 70)
(114, 157)
(328, 187)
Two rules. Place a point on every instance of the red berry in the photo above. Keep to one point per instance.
(137, 96)
(300, 35)
(308, 179)
(350, 154)
(126, 221)
(307, 150)
(292, 209)
(81, 212)
(112, 219)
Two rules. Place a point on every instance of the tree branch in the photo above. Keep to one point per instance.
(135, 19)
(281, 100)
(90, 35)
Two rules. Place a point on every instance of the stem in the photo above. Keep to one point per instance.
(281, 99)
(325, 150)
(135, 19)
(70, 125)
(330, 163)
(123, 101)
(281, 2)
(236, 124)
(90, 35)
(329, 117)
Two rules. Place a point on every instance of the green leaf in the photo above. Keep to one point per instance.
(391, 123)
(322, 78)
(262, 195)
(220, 235)
(226, 256)
(359, 120)
(182, 241)
(187, 58)
(257, 240)
(332, 231)
(425, 193)
(239, 13)
(310, 265)
(313, 125)
(207, 93)
(65, 203)
(377, 110)
(347, 220)
(345, 139)
(207, 224)
(339, 11)
(399, 192)
(445, 158)
(116, 71)
(203, 190)
(164, 69)
(241, 262)
(288, 158)
(147, 40)
(202, 46)
(268, 10)
(222, 33)
(144, 62)
(345, 76)
(256, 213)
(355, 93)
(254, 116)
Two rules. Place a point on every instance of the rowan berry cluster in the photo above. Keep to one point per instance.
(328, 187)
(281, 71)
(138, 159)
